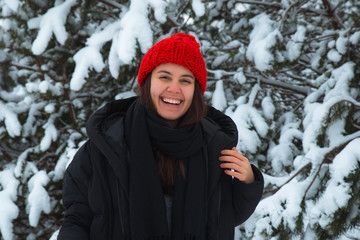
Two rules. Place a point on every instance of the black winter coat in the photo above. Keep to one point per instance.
(95, 191)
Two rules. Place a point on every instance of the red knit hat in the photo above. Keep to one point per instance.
(181, 49)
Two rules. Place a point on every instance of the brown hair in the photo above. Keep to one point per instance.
(197, 110)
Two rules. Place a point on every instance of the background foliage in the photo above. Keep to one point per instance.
(286, 71)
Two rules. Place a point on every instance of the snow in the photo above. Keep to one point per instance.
(34, 111)
(12, 124)
(87, 58)
(65, 158)
(343, 164)
(8, 195)
(50, 108)
(219, 60)
(38, 200)
(239, 76)
(262, 39)
(254, 122)
(50, 135)
(317, 113)
(269, 211)
(126, 94)
(52, 22)
(268, 108)
(354, 39)
(132, 29)
(246, 118)
(198, 8)
(342, 78)
(334, 55)
(233, 44)
(13, 4)
(218, 99)
(317, 56)
(341, 44)
(294, 46)
(282, 154)
(54, 235)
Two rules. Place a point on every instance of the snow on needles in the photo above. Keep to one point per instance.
(52, 22)
(343, 164)
(262, 39)
(38, 199)
(125, 33)
(218, 100)
(8, 195)
(131, 29)
(294, 47)
(13, 4)
(12, 124)
(336, 90)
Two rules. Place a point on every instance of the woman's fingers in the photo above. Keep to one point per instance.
(236, 165)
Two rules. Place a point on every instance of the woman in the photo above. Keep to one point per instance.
(162, 165)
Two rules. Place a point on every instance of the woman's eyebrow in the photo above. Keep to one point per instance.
(184, 75)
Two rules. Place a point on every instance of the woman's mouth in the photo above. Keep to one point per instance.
(171, 101)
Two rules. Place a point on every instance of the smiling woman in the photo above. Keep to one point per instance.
(161, 165)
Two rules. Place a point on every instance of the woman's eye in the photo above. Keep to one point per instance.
(186, 81)
(164, 77)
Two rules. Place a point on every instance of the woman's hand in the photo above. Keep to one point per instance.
(233, 160)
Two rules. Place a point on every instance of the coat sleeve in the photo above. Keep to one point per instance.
(78, 216)
(247, 196)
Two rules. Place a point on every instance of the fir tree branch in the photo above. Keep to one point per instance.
(331, 13)
(267, 4)
(328, 158)
(297, 89)
(20, 66)
(294, 5)
(289, 180)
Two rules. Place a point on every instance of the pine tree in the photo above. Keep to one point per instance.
(287, 72)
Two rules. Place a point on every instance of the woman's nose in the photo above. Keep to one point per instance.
(173, 87)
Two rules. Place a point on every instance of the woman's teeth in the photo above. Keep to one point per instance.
(171, 101)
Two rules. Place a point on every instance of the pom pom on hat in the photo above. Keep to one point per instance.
(181, 49)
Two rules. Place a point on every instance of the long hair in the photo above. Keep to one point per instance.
(167, 164)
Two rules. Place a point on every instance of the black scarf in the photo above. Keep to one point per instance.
(145, 129)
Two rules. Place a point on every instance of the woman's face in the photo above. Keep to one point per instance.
(172, 91)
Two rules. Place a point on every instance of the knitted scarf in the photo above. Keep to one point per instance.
(145, 130)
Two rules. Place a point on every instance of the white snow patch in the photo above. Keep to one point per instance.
(52, 22)
(354, 39)
(247, 118)
(343, 164)
(50, 135)
(240, 76)
(198, 7)
(86, 58)
(341, 44)
(293, 47)
(8, 195)
(13, 4)
(38, 200)
(262, 39)
(268, 108)
(218, 100)
(334, 56)
(12, 124)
